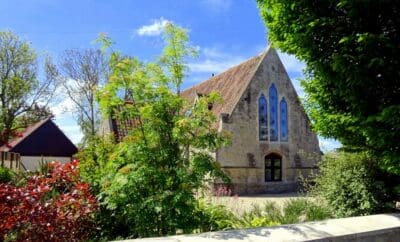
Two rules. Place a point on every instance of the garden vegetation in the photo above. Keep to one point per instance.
(146, 184)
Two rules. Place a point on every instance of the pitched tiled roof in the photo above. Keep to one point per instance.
(230, 85)
(122, 127)
(15, 141)
(42, 138)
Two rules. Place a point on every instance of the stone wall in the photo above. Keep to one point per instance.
(373, 228)
(247, 181)
(246, 152)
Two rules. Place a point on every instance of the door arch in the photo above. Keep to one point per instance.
(273, 167)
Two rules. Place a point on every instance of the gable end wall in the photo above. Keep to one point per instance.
(248, 173)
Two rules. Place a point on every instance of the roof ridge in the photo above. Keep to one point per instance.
(25, 133)
(230, 84)
(262, 57)
(225, 71)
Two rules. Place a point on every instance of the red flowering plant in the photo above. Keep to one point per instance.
(52, 207)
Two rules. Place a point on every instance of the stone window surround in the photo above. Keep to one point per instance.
(283, 164)
(268, 117)
(272, 167)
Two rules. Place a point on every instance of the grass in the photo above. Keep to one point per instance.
(264, 212)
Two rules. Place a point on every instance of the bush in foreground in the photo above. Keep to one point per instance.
(6, 175)
(213, 217)
(293, 211)
(348, 182)
(52, 207)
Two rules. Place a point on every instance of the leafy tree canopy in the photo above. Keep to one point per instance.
(22, 95)
(351, 49)
(148, 183)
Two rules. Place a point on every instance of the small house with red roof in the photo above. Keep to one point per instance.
(41, 142)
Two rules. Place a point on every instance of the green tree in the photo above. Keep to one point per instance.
(149, 184)
(35, 114)
(175, 53)
(20, 90)
(351, 49)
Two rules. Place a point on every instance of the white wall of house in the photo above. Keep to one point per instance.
(32, 163)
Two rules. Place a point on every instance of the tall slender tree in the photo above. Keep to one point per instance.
(175, 54)
(82, 72)
(148, 183)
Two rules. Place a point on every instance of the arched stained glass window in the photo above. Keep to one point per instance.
(262, 118)
(273, 113)
(284, 120)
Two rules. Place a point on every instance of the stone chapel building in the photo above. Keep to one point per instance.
(272, 143)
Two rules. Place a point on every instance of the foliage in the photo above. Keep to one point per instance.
(348, 183)
(35, 114)
(175, 53)
(6, 175)
(301, 210)
(351, 52)
(269, 215)
(20, 91)
(94, 158)
(293, 211)
(52, 207)
(81, 72)
(149, 182)
(213, 217)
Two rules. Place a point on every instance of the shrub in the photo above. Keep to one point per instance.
(55, 207)
(293, 211)
(268, 215)
(213, 217)
(6, 175)
(301, 210)
(347, 182)
(94, 158)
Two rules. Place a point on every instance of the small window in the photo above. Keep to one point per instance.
(273, 110)
(262, 118)
(273, 168)
(284, 120)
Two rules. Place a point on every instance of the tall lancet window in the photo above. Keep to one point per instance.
(284, 120)
(262, 118)
(273, 113)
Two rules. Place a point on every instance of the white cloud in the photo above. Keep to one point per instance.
(66, 121)
(328, 144)
(213, 53)
(64, 106)
(217, 5)
(214, 61)
(154, 29)
(291, 63)
(63, 103)
(69, 126)
(63, 115)
(214, 66)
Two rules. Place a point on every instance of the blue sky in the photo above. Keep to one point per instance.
(226, 32)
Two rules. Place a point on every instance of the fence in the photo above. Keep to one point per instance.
(11, 160)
